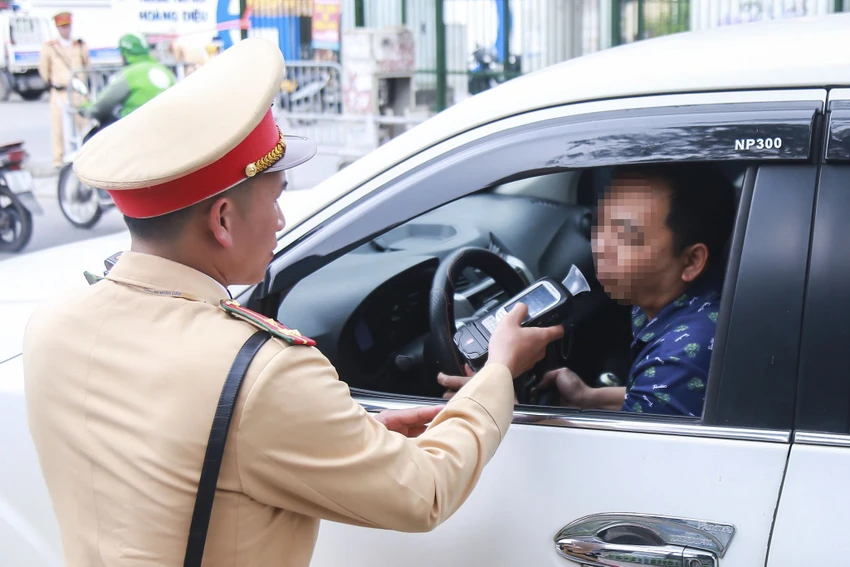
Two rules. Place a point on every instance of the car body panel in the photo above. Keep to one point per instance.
(811, 522)
(29, 534)
(542, 478)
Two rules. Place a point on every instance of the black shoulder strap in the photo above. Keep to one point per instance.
(215, 449)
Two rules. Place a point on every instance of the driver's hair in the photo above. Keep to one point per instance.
(167, 227)
(702, 204)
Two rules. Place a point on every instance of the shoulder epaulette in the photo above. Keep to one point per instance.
(277, 329)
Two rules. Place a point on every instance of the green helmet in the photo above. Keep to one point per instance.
(132, 45)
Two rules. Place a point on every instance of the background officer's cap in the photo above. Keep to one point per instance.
(62, 19)
(204, 135)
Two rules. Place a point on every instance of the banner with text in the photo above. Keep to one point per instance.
(326, 23)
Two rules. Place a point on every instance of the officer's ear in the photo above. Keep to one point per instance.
(227, 212)
(220, 220)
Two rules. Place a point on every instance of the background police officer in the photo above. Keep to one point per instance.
(58, 59)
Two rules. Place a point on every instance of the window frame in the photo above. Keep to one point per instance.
(361, 213)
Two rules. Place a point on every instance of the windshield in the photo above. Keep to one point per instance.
(23, 31)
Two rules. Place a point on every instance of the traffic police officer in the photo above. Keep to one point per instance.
(58, 59)
(123, 379)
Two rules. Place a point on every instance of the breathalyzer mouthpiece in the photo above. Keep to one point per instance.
(575, 282)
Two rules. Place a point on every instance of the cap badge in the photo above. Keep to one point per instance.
(269, 159)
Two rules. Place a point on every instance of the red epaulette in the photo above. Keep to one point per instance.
(277, 329)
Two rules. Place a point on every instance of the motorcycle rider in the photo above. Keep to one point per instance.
(141, 79)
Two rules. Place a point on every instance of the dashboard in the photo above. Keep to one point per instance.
(368, 310)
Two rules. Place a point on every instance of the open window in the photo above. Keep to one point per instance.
(375, 325)
(358, 279)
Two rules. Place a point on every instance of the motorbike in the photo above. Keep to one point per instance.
(17, 202)
(81, 204)
(487, 71)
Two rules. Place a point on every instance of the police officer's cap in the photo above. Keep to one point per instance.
(206, 134)
(62, 19)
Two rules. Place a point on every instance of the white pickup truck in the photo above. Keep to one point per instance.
(755, 480)
(21, 38)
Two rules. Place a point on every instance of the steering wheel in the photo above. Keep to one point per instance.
(441, 313)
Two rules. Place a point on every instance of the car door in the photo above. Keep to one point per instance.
(815, 506)
(639, 489)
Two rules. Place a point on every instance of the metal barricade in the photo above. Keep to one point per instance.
(311, 105)
(311, 87)
(96, 78)
(346, 137)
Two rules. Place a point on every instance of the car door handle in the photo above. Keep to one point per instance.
(594, 552)
(620, 540)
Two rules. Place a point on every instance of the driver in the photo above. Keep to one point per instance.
(657, 246)
(141, 79)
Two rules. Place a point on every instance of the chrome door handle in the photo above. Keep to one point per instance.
(594, 552)
(620, 540)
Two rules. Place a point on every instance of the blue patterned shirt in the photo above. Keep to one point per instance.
(671, 354)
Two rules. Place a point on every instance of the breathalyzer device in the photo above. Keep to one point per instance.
(549, 303)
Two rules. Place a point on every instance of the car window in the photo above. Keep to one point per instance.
(373, 264)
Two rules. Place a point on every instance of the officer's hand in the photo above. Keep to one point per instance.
(409, 422)
(520, 348)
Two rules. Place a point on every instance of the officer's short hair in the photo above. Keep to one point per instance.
(169, 226)
(702, 204)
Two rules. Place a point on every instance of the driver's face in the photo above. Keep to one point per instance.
(632, 246)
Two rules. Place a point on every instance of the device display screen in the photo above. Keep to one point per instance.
(537, 301)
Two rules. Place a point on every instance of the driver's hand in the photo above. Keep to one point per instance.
(409, 422)
(520, 348)
(572, 389)
(454, 383)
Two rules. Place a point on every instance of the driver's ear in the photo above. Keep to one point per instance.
(221, 221)
(696, 259)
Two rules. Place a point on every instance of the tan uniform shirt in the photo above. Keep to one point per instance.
(59, 58)
(122, 385)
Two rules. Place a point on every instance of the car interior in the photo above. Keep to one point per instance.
(381, 327)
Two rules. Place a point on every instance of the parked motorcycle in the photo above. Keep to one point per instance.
(82, 205)
(486, 71)
(17, 202)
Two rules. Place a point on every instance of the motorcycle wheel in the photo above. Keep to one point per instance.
(15, 222)
(31, 95)
(77, 201)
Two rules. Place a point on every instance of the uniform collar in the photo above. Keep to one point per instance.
(159, 274)
(65, 42)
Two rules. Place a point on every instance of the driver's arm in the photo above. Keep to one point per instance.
(115, 93)
(576, 393)
(605, 398)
